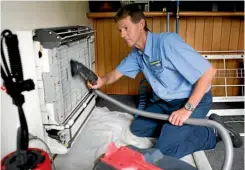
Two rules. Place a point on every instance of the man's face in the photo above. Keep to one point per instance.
(130, 31)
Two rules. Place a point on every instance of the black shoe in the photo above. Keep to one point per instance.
(235, 137)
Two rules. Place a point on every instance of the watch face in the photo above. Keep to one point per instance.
(188, 106)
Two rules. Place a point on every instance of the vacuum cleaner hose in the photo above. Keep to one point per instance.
(227, 163)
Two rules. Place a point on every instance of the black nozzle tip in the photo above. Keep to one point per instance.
(73, 68)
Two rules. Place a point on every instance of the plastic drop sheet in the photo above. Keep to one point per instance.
(103, 127)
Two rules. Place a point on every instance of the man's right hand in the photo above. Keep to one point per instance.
(99, 84)
(109, 78)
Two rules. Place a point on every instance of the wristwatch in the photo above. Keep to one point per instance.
(189, 107)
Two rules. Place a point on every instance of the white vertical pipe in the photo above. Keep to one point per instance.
(225, 78)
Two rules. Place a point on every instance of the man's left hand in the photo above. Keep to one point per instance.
(178, 117)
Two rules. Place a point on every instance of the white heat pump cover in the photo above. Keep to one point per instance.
(61, 89)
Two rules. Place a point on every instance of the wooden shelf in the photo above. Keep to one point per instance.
(184, 14)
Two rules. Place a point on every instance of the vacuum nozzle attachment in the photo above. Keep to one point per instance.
(87, 74)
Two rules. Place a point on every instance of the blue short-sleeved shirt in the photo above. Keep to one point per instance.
(170, 65)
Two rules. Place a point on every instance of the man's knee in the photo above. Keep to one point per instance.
(135, 128)
(143, 127)
(179, 141)
(171, 134)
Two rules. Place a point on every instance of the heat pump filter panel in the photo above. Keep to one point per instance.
(69, 91)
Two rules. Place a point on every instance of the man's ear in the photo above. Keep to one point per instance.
(142, 23)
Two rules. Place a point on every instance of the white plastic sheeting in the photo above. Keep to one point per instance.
(103, 127)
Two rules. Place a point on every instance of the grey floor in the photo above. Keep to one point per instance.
(214, 156)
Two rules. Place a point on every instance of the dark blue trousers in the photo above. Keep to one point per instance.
(176, 141)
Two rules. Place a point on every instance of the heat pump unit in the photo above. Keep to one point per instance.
(65, 103)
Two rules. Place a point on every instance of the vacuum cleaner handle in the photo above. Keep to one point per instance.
(227, 164)
(87, 74)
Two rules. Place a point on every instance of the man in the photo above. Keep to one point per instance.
(179, 77)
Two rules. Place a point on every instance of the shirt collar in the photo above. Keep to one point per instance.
(148, 45)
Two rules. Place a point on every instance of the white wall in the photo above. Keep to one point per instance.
(29, 15)
(19, 16)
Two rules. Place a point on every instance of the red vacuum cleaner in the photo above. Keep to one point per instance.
(23, 158)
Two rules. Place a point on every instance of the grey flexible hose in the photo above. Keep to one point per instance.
(227, 164)
(32, 137)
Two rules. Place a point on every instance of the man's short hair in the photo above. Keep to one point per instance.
(132, 10)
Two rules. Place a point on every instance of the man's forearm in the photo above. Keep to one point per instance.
(111, 77)
(201, 86)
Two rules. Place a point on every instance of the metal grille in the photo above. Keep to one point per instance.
(69, 91)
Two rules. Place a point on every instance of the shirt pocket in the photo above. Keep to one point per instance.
(158, 72)
(156, 68)
(171, 79)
